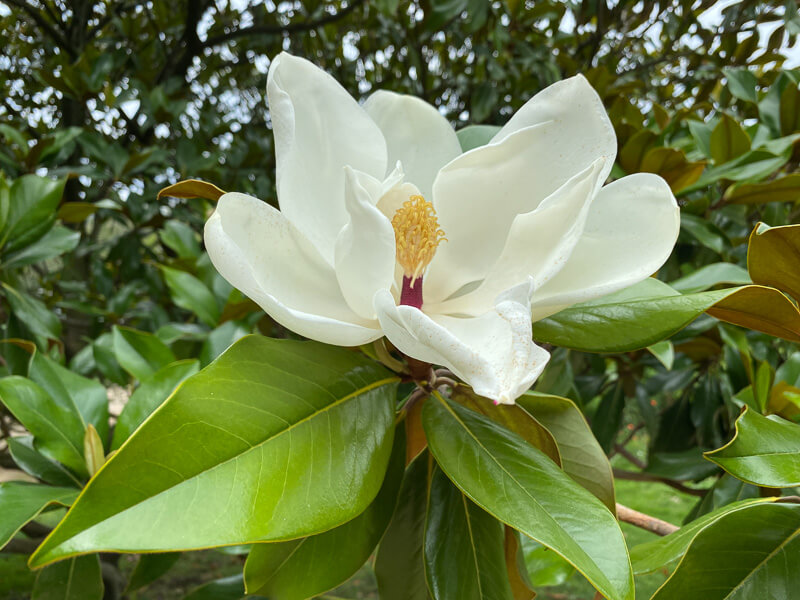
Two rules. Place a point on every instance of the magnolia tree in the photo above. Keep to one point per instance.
(434, 271)
(440, 275)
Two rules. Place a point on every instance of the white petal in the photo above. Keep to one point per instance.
(258, 251)
(416, 134)
(479, 194)
(365, 249)
(630, 232)
(494, 353)
(319, 128)
(585, 131)
(538, 246)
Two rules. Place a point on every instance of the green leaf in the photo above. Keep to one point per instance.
(192, 294)
(150, 567)
(522, 487)
(474, 136)
(236, 452)
(651, 311)
(761, 550)
(36, 316)
(58, 430)
(782, 189)
(227, 588)
(78, 578)
(106, 361)
(151, 394)
(664, 353)
(21, 501)
(399, 564)
(35, 463)
(140, 354)
(582, 458)
(54, 243)
(513, 418)
(181, 238)
(790, 109)
(711, 276)
(772, 257)
(705, 232)
(651, 556)
(545, 567)
(752, 165)
(464, 547)
(293, 570)
(742, 83)
(32, 210)
(191, 188)
(72, 392)
(764, 451)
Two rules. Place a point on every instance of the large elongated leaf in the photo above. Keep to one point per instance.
(32, 210)
(513, 418)
(72, 392)
(764, 451)
(747, 554)
(399, 564)
(773, 254)
(659, 553)
(582, 458)
(303, 568)
(150, 394)
(140, 353)
(464, 547)
(79, 578)
(21, 501)
(33, 462)
(275, 440)
(58, 430)
(651, 311)
(522, 487)
(55, 242)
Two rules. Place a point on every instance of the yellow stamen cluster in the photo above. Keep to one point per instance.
(417, 235)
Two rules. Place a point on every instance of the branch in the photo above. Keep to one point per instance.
(643, 521)
(45, 25)
(281, 29)
(635, 476)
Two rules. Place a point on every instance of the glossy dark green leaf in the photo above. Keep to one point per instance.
(78, 578)
(58, 430)
(651, 311)
(21, 501)
(659, 553)
(726, 490)
(33, 462)
(54, 243)
(150, 394)
(33, 313)
(464, 547)
(764, 451)
(32, 210)
(141, 354)
(234, 455)
(399, 563)
(608, 417)
(513, 418)
(747, 554)
(582, 458)
(192, 294)
(150, 567)
(106, 361)
(522, 487)
(227, 588)
(72, 392)
(306, 567)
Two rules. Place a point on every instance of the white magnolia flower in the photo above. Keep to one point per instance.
(386, 228)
